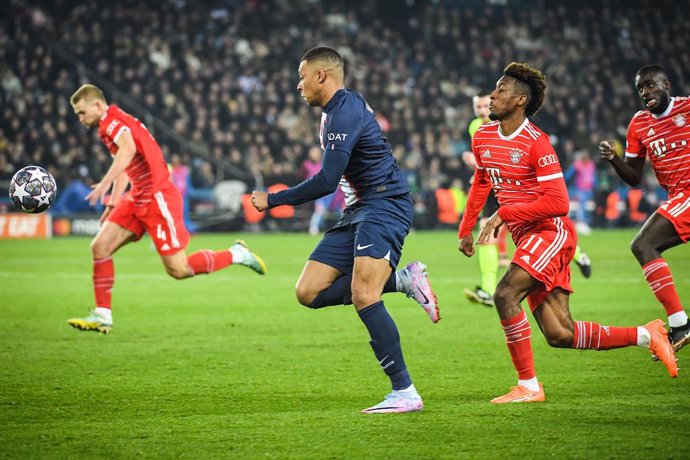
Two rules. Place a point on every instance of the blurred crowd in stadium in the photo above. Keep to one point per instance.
(222, 74)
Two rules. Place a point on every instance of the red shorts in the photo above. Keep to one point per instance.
(162, 218)
(545, 253)
(677, 210)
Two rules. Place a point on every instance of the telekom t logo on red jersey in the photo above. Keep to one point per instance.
(658, 147)
(495, 176)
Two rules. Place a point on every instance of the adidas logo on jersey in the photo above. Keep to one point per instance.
(651, 132)
(486, 154)
(525, 258)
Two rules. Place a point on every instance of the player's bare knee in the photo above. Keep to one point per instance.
(643, 249)
(304, 299)
(178, 273)
(362, 296)
(305, 295)
(637, 247)
(99, 249)
(503, 296)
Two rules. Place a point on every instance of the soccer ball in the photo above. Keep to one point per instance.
(32, 190)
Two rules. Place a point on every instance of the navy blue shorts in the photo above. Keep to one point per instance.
(376, 229)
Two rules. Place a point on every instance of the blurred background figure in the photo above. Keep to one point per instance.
(329, 204)
(181, 177)
(581, 176)
(493, 250)
(71, 199)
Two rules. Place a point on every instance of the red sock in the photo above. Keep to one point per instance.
(206, 261)
(103, 280)
(518, 338)
(594, 336)
(660, 279)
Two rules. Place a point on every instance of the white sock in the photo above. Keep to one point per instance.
(643, 337)
(531, 384)
(409, 390)
(678, 319)
(105, 313)
(238, 254)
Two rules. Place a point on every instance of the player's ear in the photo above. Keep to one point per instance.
(321, 75)
(522, 100)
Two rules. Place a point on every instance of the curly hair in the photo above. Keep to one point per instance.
(530, 82)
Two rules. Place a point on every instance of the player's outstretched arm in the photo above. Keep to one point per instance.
(321, 184)
(629, 170)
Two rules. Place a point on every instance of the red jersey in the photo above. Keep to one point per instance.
(148, 172)
(521, 169)
(665, 139)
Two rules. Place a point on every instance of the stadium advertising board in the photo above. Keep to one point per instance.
(76, 226)
(19, 225)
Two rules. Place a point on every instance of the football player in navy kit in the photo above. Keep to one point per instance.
(354, 262)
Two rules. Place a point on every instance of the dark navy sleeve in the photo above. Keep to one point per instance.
(321, 184)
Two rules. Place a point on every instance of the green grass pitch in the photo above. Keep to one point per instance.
(229, 365)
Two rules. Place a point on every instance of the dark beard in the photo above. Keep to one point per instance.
(494, 117)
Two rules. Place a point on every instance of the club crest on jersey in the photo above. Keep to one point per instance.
(486, 154)
(679, 120)
(515, 156)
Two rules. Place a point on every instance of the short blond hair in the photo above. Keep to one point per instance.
(88, 93)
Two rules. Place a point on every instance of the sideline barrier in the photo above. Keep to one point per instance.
(25, 226)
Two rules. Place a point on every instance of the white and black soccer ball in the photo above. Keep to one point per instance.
(33, 190)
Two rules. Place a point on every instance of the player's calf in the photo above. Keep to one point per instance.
(559, 338)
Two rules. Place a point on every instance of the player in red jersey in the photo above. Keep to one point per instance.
(662, 133)
(516, 159)
(153, 205)
(493, 254)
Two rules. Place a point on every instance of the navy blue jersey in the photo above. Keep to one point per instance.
(356, 155)
(348, 125)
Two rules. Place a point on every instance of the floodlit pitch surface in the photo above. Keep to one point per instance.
(229, 365)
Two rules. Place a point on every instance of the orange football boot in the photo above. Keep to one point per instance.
(660, 346)
(519, 394)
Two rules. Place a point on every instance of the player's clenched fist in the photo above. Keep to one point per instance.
(260, 200)
(607, 149)
(466, 245)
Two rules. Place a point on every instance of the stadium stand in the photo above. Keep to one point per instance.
(215, 80)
